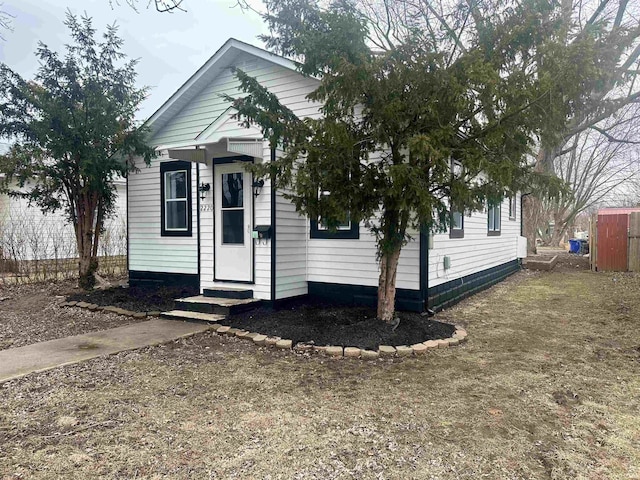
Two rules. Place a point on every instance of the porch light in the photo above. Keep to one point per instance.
(204, 188)
(257, 187)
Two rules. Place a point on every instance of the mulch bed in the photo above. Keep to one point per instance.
(137, 299)
(322, 324)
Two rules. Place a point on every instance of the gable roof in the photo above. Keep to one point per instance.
(219, 61)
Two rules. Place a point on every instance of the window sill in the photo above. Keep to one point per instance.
(456, 234)
(493, 233)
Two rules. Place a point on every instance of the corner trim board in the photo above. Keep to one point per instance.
(274, 231)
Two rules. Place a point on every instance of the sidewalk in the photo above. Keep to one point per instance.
(18, 362)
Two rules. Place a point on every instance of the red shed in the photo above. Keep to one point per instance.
(611, 242)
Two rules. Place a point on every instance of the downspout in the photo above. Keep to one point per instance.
(522, 195)
(424, 269)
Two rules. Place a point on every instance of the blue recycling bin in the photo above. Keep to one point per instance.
(574, 245)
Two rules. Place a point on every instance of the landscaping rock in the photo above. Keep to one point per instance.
(93, 307)
(140, 315)
(419, 348)
(284, 344)
(214, 326)
(242, 334)
(430, 344)
(82, 304)
(386, 351)
(453, 342)
(334, 351)
(223, 329)
(369, 355)
(404, 351)
(72, 304)
(271, 341)
(153, 313)
(352, 352)
(442, 343)
(260, 339)
(460, 334)
(232, 332)
(251, 335)
(303, 347)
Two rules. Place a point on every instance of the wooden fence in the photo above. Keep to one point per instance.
(614, 242)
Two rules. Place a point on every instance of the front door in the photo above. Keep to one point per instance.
(233, 218)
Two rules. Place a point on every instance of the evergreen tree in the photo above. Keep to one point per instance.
(397, 112)
(73, 132)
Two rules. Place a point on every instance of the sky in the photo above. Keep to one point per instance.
(170, 46)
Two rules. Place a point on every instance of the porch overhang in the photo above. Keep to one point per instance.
(226, 130)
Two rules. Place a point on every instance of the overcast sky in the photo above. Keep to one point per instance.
(171, 47)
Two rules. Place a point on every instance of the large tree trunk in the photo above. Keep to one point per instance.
(88, 263)
(387, 285)
(530, 212)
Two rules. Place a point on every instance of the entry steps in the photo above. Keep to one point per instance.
(213, 305)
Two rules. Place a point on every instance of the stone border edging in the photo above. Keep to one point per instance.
(384, 351)
(110, 309)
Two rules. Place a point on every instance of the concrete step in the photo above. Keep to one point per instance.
(227, 292)
(185, 315)
(221, 306)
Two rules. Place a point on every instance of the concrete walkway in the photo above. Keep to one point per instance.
(21, 361)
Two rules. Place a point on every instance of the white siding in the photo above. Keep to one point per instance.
(148, 250)
(477, 251)
(291, 232)
(208, 105)
(354, 261)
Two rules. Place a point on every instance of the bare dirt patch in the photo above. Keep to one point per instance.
(546, 388)
(31, 313)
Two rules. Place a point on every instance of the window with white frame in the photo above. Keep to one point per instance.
(344, 228)
(512, 207)
(176, 198)
(493, 220)
(456, 230)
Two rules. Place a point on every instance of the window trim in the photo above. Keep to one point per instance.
(318, 231)
(456, 232)
(513, 203)
(495, 232)
(353, 233)
(175, 166)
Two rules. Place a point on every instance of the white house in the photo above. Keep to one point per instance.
(197, 218)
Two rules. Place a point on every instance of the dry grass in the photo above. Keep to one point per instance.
(547, 387)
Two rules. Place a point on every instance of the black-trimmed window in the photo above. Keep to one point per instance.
(493, 221)
(175, 201)
(344, 229)
(456, 230)
(512, 208)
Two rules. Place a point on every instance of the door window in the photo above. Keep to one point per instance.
(232, 208)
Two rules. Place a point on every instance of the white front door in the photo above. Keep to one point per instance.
(233, 218)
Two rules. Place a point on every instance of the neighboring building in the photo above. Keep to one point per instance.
(27, 234)
(195, 212)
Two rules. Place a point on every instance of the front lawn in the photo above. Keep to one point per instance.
(547, 387)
